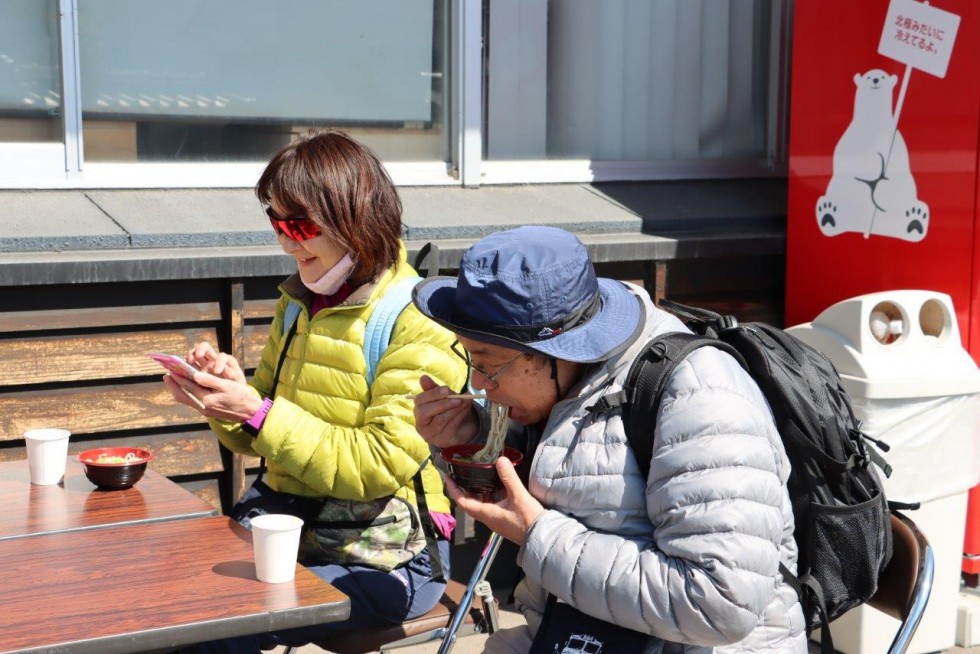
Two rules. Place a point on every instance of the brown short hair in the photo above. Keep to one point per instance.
(341, 185)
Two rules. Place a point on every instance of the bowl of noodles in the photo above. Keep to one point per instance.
(477, 478)
(115, 468)
(473, 465)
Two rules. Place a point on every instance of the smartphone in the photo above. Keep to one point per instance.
(174, 364)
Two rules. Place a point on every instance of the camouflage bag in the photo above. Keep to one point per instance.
(382, 534)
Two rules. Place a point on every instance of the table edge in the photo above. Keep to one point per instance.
(166, 638)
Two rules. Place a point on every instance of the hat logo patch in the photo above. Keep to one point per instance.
(548, 332)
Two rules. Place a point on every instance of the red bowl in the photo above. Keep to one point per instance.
(479, 479)
(118, 475)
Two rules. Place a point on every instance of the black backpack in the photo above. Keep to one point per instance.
(843, 528)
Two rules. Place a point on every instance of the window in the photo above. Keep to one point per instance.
(30, 73)
(115, 93)
(234, 80)
(668, 82)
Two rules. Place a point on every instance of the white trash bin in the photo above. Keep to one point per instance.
(914, 387)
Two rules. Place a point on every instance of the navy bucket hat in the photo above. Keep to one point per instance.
(534, 289)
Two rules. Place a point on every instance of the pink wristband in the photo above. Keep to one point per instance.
(254, 424)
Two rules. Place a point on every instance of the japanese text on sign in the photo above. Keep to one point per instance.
(919, 35)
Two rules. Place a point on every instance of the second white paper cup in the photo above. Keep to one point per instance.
(47, 454)
(275, 540)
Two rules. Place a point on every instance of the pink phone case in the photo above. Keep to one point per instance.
(174, 364)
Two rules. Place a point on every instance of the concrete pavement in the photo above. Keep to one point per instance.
(473, 644)
(509, 617)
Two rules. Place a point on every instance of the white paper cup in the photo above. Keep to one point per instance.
(275, 540)
(47, 454)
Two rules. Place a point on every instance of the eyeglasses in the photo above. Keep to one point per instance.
(465, 356)
(298, 228)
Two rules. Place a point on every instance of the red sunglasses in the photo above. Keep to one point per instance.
(295, 227)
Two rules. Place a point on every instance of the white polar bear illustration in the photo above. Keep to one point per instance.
(872, 191)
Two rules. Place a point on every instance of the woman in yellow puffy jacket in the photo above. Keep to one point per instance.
(334, 427)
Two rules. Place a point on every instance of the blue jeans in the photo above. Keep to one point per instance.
(376, 598)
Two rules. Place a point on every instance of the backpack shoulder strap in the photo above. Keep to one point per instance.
(377, 333)
(699, 320)
(645, 383)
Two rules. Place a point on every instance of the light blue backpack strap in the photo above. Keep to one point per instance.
(377, 333)
(290, 315)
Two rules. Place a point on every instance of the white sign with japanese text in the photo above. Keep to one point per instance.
(919, 35)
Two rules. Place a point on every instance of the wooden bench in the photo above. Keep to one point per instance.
(85, 368)
(75, 328)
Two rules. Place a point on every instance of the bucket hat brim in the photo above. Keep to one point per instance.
(611, 330)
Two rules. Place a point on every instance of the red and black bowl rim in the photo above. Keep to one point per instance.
(90, 457)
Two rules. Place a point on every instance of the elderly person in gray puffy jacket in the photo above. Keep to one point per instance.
(687, 557)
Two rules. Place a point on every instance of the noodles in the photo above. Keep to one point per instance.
(495, 439)
(106, 458)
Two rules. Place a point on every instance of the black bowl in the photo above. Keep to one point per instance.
(478, 479)
(115, 475)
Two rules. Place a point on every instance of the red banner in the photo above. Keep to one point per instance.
(883, 164)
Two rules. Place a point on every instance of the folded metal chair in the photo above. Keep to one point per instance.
(905, 584)
(455, 616)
